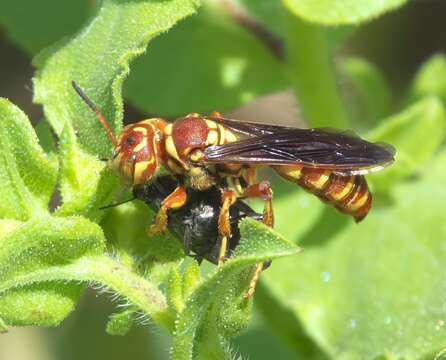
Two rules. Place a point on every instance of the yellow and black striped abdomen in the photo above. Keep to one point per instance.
(349, 194)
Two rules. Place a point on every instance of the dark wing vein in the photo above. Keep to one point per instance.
(324, 148)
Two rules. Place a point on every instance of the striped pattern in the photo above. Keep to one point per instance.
(349, 194)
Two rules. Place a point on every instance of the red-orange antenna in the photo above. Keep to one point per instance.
(99, 115)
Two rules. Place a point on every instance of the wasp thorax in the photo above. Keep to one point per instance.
(136, 157)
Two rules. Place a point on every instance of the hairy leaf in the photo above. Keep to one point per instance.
(368, 91)
(84, 185)
(330, 12)
(216, 309)
(121, 323)
(27, 174)
(60, 250)
(53, 19)
(98, 59)
(431, 79)
(374, 288)
(221, 72)
(35, 246)
(416, 133)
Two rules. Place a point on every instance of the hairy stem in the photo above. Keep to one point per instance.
(109, 273)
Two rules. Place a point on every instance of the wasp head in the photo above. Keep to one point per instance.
(137, 156)
(138, 152)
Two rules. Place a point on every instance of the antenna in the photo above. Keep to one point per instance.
(95, 109)
(117, 204)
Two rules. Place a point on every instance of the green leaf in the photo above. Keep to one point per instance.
(269, 14)
(53, 250)
(36, 246)
(174, 291)
(121, 323)
(98, 59)
(3, 327)
(53, 19)
(191, 279)
(27, 174)
(430, 79)
(220, 73)
(423, 122)
(84, 186)
(374, 288)
(272, 15)
(312, 73)
(330, 12)
(369, 92)
(46, 137)
(217, 309)
(39, 304)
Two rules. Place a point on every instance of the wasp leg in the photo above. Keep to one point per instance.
(261, 190)
(228, 197)
(175, 200)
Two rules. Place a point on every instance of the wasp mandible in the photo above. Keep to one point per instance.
(207, 151)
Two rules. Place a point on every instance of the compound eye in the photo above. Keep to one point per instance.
(130, 140)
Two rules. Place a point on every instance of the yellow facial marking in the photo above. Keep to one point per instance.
(141, 129)
(345, 190)
(212, 137)
(140, 166)
(141, 145)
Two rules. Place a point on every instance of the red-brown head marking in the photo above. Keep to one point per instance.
(137, 155)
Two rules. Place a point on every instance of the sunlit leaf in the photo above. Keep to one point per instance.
(374, 288)
(217, 309)
(27, 174)
(330, 12)
(416, 133)
(220, 73)
(98, 59)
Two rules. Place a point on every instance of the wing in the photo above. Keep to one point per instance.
(247, 128)
(340, 151)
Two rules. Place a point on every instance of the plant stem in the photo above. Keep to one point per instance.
(312, 74)
(109, 273)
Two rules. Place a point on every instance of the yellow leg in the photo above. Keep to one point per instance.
(260, 190)
(175, 200)
(228, 198)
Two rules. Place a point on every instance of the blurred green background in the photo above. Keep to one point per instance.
(397, 43)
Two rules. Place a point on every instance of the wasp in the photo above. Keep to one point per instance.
(203, 152)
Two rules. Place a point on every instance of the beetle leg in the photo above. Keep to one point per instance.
(261, 190)
(228, 197)
(174, 200)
